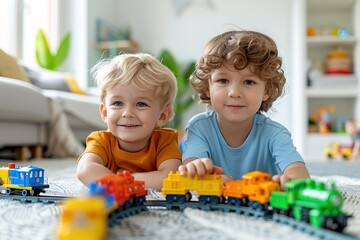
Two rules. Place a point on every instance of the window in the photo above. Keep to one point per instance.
(7, 23)
(19, 22)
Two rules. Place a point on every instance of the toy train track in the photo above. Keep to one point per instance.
(149, 204)
(115, 216)
(118, 196)
(320, 233)
(35, 199)
(209, 207)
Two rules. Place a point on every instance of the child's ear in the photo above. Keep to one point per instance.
(103, 111)
(207, 93)
(165, 116)
(266, 95)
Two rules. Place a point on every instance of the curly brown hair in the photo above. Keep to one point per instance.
(242, 49)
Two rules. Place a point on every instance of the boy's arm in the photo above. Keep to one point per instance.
(91, 167)
(154, 179)
(296, 170)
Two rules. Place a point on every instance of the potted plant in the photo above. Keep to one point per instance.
(45, 58)
(184, 98)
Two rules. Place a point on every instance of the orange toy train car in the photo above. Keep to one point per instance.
(255, 187)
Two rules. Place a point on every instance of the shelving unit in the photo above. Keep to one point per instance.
(112, 48)
(341, 91)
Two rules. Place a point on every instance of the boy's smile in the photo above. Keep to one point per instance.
(235, 95)
(131, 115)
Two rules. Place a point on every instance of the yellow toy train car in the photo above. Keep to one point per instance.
(177, 188)
(83, 218)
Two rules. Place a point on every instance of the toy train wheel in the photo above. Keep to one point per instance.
(209, 199)
(285, 212)
(127, 204)
(170, 198)
(8, 191)
(139, 201)
(305, 216)
(36, 192)
(178, 198)
(335, 223)
(25, 192)
(235, 201)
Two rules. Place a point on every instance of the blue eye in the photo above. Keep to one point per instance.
(223, 81)
(141, 104)
(118, 104)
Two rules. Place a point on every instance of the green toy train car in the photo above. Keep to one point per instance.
(311, 201)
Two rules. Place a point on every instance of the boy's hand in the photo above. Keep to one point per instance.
(295, 170)
(227, 178)
(281, 179)
(199, 166)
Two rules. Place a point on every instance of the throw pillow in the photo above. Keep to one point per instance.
(10, 68)
(53, 80)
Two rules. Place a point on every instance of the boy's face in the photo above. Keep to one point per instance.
(132, 115)
(236, 95)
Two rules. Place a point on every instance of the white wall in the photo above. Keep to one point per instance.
(156, 25)
(73, 18)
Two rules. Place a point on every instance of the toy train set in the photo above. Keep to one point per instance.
(27, 181)
(117, 196)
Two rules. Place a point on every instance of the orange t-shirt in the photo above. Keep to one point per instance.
(163, 146)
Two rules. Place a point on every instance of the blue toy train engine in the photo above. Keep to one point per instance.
(23, 180)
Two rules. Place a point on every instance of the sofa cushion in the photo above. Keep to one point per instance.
(24, 102)
(53, 80)
(10, 68)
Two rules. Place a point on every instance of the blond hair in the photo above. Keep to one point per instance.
(242, 49)
(139, 69)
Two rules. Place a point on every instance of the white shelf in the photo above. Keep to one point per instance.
(337, 85)
(330, 40)
(341, 92)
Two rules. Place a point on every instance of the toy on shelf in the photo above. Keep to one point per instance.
(322, 116)
(23, 180)
(335, 31)
(335, 149)
(338, 62)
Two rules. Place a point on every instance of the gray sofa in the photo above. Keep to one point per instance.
(32, 119)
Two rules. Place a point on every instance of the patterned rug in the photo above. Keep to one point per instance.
(39, 221)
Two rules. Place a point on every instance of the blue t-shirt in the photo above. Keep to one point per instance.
(268, 148)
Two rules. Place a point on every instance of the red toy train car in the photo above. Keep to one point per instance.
(124, 188)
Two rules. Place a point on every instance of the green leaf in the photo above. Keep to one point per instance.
(62, 51)
(168, 60)
(189, 70)
(183, 99)
(43, 54)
